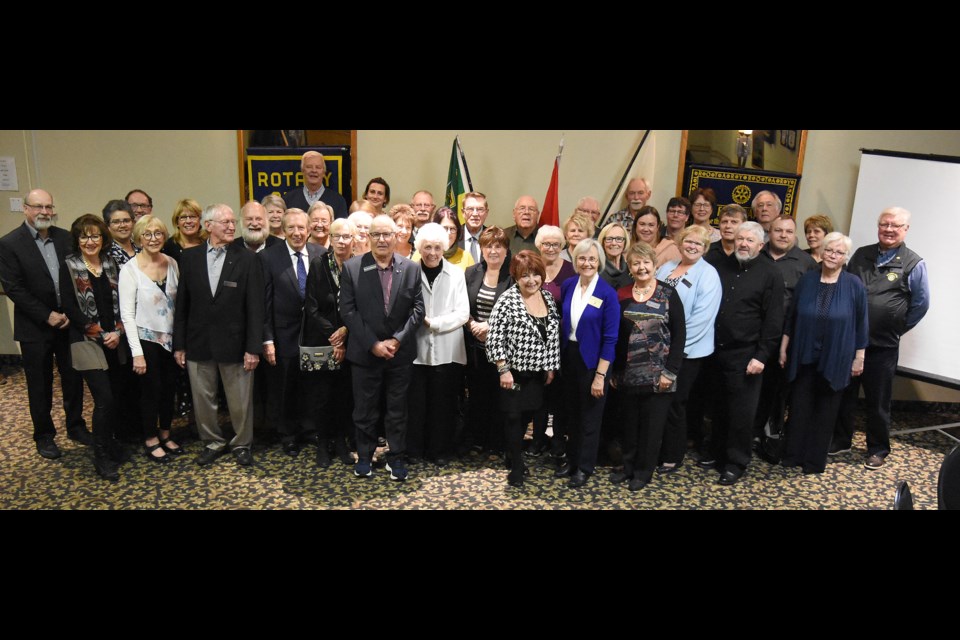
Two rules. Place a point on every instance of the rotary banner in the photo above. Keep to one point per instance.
(741, 186)
(277, 170)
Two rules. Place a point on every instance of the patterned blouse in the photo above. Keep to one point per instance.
(514, 336)
(148, 306)
(119, 255)
(648, 331)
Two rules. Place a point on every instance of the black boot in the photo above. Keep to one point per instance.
(116, 451)
(105, 466)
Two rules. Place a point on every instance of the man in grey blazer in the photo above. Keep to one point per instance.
(381, 303)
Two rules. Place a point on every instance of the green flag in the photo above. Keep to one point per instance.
(458, 180)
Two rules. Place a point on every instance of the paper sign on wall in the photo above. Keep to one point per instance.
(8, 174)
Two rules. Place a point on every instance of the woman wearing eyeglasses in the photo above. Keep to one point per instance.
(823, 348)
(591, 322)
(455, 255)
(118, 215)
(615, 242)
(96, 333)
(148, 294)
(704, 205)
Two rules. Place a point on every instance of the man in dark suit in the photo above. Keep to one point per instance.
(314, 170)
(218, 332)
(285, 269)
(30, 261)
(381, 303)
(254, 233)
(475, 212)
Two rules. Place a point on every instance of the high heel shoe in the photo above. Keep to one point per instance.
(172, 452)
(165, 458)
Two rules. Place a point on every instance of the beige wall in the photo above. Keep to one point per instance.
(84, 169)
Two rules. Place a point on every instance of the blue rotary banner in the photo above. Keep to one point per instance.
(740, 186)
(277, 170)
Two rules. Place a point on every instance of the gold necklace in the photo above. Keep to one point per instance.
(96, 272)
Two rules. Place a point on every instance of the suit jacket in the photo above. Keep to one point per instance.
(295, 199)
(284, 307)
(361, 306)
(271, 241)
(27, 281)
(224, 326)
(322, 306)
(474, 277)
(598, 328)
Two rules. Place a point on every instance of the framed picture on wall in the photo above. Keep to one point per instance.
(792, 139)
(783, 137)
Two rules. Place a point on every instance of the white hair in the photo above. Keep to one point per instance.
(899, 212)
(549, 231)
(585, 245)
(752, 227)
(836, 236)
(430, 233)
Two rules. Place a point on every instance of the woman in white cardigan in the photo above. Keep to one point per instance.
(441, 354)
(148, 293)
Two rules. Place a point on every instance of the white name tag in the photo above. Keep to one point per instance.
(370, 268)
(595, 302)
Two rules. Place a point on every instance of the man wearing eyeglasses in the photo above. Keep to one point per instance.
(766, 208)
(140, 203)
(423, 207)
(31, 257)
(523, 234)
(590, 207)
(638, 194)
(475, 212)
(218, 332)
(898, 296)
(381, 303)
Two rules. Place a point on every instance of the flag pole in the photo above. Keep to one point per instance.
(623, 179)
(463, 159)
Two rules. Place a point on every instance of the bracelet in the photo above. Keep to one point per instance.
(504, 369)
(602, 375)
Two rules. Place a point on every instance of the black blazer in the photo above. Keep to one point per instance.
(361, 306)
(271, 241)
(295, 199)
(284, 308)
(474, 276)
(224, 326)
(27, 281)
(321, 309)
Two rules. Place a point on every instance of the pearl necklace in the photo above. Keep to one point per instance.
(642, 293)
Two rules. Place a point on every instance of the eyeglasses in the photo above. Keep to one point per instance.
(451, 231)
(677, 212)
(88, 239)
(226, 223)
(337, 237)
(550, 245)
(701, 205)
(153, 235)
(382, 236)
(119, 222)
(41, 207)
(474, 209)
(834, 252)
(585, 260)
(890, 226)
(137, 205)
(609, 240)
(526, 209)
(188, 216)
(589, 212)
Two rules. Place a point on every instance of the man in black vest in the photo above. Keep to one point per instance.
(898, 296)
(31, 257)
(314, 170)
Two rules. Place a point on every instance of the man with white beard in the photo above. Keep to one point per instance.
(254, 231)
(638, 194)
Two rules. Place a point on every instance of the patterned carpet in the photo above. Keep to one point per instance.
(277, 481)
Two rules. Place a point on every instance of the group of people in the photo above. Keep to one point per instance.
(633, 328)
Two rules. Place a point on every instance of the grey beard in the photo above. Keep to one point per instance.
(743, 260)
(43, 225)
(253, 237)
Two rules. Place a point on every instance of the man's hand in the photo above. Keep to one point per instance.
(754, 367)
(270, 354)
(382, 350)
(250, 361)
(58, 320)
(180, 357)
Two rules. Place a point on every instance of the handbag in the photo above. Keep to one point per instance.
(316, 358)
(87, 356)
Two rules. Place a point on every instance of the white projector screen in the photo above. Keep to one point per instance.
(929, 187)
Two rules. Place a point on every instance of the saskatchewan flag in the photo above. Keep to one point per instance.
(458, 180)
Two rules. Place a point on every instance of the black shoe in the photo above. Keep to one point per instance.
(563, 471)
(244, 456)
(515, 478)
(323, 458)
(636, 484)
(667, 469)
(105, 467)
(48, 449)
(208, 456)
(729, 478)
(342, 451)
(578, 479)
(165, 443)
(441, 461)
(618, 477)
(84, 437)
(117, 452)
(292, 449)
(148, 451)
(538, 448)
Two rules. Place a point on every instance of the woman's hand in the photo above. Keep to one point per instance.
(857, 369)
(339, 352)
(338, 337)
(480, 330)
(596, 389)
(506, 380)
(139, 365)
(783, 358)
(665, 382)
(551, 376)
(111, 340)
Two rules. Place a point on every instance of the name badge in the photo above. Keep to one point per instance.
(370, 268)
(687, 282)
(653, 305)
(595, 302)
(232, 285)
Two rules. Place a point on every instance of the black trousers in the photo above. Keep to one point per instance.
(105, 388)
(432, 409)
(393, 381)
(773, 398)
(584, 412)
(288, 399)
(879, 370)
(701, 401)
(675, 434)
(814, 408)
(157, 387)
(644, 420)
(553, 405)
(736, 408)
(484, 418)
(38, 370)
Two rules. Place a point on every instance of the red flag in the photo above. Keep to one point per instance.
(550, 215)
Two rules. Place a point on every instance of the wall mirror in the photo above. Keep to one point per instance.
(773, 150)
